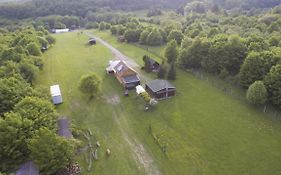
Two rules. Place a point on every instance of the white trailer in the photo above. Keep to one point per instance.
(56, 94)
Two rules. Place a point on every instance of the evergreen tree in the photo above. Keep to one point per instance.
(172, 72)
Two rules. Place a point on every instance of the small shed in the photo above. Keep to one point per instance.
(160, 89)
(56, 94)
(92, 41)
(60, 30)
(28, 168)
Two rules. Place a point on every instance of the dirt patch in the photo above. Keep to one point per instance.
(141, 156)
(113, 100)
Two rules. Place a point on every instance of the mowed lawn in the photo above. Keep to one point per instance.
(204, 131)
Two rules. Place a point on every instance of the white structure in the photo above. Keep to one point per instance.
(56, 94)
(112, 64)
(139, 89)
(60, 30)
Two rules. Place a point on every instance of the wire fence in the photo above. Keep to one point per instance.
(236, 92)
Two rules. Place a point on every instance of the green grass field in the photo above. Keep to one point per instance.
(204, 131)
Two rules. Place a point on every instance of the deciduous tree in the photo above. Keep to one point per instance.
(257, 93)
(90, 84)
(171, 51)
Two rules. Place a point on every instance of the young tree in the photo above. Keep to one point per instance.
(172, 72)
(90, 84)
(171, 51)
(257, 93)
(50, 151)
(175, 35)
(273, 85)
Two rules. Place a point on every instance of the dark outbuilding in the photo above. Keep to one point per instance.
(92, 41)
(160, 89)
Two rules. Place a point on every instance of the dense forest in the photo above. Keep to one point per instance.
(236, 40)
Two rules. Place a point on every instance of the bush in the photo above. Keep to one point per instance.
(257, 93)
(146, 97)
(90, 84)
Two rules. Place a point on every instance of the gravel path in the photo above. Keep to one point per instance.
(141, 155)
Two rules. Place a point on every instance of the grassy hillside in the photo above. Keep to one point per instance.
(202, 130)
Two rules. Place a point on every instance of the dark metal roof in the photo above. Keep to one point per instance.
(131, 79)
(158, 85)
(28, 169)
(64, 128)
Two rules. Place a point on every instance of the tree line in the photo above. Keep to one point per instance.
(28, 121)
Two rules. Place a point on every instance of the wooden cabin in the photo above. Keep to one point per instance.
(127, 76)
(160, 89)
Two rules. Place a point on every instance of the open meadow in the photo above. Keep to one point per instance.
(200, 131)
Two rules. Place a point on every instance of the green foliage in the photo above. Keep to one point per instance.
(90, 84)
(257, 93)
(171, 51)
(273, 85)
(102, 26)
(146, 97)
(12, 90)
(51, 40)
(172, 72)
(154, 38)
(50, 151)
(175, 35)
(191, 57)
(132, 35)
(33, 49)
(143, 36)
(113, 30)
(92, 25)
(40, 111)
(256, 66)
(121, 30)
(14, 134)
(28, 70)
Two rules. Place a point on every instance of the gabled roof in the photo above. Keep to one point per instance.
(29, 168)
(157, 85)
(121, 68)
(63, 126)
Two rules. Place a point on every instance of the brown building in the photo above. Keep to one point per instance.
(160, 89)
(127, 76)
